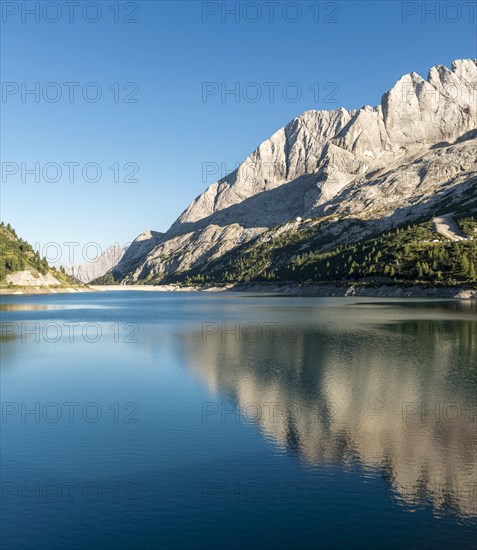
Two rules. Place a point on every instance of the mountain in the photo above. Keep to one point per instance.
(135, 253)
(103, 263)
(348, 174)
(20, 265)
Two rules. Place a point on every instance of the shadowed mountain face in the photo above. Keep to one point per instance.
(418, 144)
(397, 397)
(136, 251)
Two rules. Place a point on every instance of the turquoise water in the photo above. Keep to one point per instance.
(169, 420)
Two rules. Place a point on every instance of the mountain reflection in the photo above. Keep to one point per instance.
(397, 398)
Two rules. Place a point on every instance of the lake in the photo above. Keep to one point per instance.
(206, 420)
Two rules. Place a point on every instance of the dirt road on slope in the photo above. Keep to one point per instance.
(446, 226)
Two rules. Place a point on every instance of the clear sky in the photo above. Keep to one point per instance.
(201, 75)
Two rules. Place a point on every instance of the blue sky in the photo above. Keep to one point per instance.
(348, 51)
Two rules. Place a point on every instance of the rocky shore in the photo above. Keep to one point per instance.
(384, 291)
(387, 291)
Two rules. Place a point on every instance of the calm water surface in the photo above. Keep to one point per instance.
(165, 420)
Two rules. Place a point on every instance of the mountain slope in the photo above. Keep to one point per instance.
(134, 255)
(382, 166)
(305, 253)
(20, 265)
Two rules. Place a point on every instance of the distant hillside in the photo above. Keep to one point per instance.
(90, 271)
(20, 265)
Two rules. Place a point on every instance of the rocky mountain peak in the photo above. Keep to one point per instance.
(323, 160)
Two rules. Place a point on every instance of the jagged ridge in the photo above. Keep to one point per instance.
(373, 163)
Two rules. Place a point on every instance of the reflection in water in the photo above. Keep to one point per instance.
(27, 307)
(398, 398)
(48, 307)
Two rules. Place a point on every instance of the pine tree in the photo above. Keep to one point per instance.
(472, 272)
(464, 265)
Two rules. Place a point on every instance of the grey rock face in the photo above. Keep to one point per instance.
(370, 162)
(89, 271)
(135, 253)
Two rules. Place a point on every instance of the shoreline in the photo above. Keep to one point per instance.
(353, 290)
(379, 291)
(42, 290)
(384, 291)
